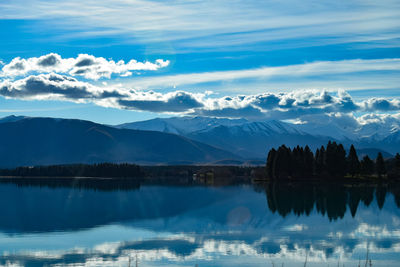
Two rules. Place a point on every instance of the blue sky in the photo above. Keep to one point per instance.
(210, 58)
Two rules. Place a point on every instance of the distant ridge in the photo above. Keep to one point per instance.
(46, 141)
(12, 118)
(251, 139)
(181, 125)
(26, 141)
(373, 153)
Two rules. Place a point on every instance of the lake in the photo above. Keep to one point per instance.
(102, 223)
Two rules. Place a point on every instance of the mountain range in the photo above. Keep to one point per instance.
(253, 139)
(27, 141)
(43, 141)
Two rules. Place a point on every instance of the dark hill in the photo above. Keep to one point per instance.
(44, 141)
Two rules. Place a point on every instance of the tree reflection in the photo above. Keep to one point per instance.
(331, 199)
(101, 184)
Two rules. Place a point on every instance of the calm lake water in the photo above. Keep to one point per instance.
(80, 223)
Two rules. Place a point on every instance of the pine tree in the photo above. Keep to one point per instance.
(397, 162)
(308, 162)
(283, 163)
(380, 165)
(395, 171)
(296, 164)
(335, 160)
(270, 162)
(319, 160)
(330, 158)
(340, 161)
(367, 166)
(298, 167)
(353, 164)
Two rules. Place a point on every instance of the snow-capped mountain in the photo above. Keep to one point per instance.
(247, 139)
(377, 131)
(30, 141)
(328, 130)
(253, 139)
(181, 125)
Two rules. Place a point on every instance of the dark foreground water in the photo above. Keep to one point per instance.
(105, 224)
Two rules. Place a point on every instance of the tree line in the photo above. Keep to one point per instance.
(329, 161)
(163, 174)
(123, 170)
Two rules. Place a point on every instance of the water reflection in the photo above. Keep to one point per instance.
(327, 198)
(98, 223)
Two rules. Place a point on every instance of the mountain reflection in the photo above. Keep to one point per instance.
(99, 223)
(42, 205)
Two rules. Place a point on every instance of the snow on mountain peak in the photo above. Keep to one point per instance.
(374, 128)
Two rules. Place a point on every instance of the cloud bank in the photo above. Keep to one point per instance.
(290, 105)
(51, 77)
(87, 66)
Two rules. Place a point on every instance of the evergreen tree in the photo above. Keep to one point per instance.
(270, 162)
(397, 162)
(395, 170)
(340, 161)
(317, 168)
(308, 162)
(380, 165)
(330, 162)
(367, 166)
(283, 163)
(295, 162)
(319, 161)
(353, 164)
(298, 167)
(335, 160)
(301, 161)
(330, 158)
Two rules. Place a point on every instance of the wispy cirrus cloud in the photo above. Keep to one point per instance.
(87, 66)
(319, 71)
(249, 22)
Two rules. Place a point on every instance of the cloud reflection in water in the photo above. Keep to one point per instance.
(223, 226)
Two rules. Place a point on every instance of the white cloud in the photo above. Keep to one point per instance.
(382, 104)
(303, 105)
(54, 87)
(321, 69)
(203, 24)
(87, 66)
(359, 74)
(52, 77)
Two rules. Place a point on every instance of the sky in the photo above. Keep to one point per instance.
(131, 60)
